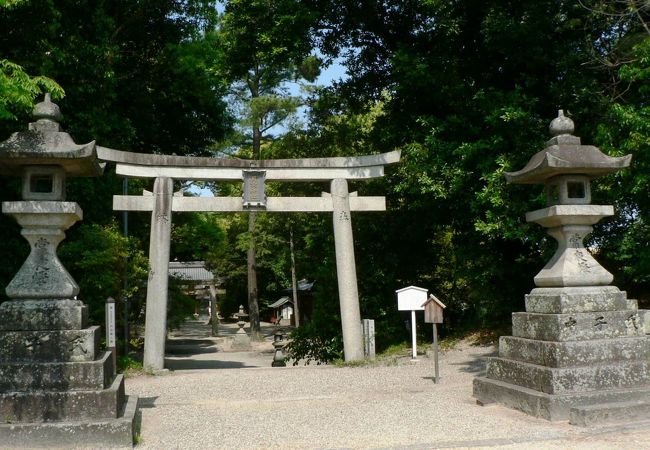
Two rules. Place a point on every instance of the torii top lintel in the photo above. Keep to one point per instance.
(141, 165)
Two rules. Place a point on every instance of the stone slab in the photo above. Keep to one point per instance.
(609, 413)
(576, 300)
(50, 314)
(108, 433)
(548, 406)
(550, 380)
(235, 174)
(644, 315)
(57, 376)
(557, 215)
(241, 342)
(574, 353)
(148, 159)
(235, 204)
(52, 406)
(578, 326)
(49, 346)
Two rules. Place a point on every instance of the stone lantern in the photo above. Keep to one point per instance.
(580, 351)
(44, 156)
(566, 168)
(56, 388)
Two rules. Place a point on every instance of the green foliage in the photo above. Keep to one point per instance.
(19, 89)
(181, 305)
(197, 237)
(98, 258)
(309, 345)
(129, 366)
(137, 74)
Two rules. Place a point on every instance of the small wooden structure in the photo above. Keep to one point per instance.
(433, 309)
(282, 311)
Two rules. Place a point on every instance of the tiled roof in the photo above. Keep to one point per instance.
(191, 271)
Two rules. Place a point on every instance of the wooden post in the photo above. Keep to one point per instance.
(435, 352)
(214, 319)
(414, 350)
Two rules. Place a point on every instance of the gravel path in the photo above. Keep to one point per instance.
(215, 399)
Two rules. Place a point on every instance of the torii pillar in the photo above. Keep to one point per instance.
(346, 271)
(155, 331)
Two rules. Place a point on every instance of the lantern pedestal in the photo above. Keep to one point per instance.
(56, 387)
(43, 223)
(572, 264)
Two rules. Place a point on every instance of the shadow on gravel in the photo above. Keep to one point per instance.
(147, 402)
(193, 364)
(188, 347)
(476, 365)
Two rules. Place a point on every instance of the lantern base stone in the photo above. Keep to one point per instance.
(47, 314)
(575, 347)
(548, 406)
(56, 387)
(118, 432)
(576, 300)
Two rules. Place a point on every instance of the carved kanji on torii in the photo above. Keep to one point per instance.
(163, 202)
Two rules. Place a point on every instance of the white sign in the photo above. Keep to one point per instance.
(110, 325)
(411, 298)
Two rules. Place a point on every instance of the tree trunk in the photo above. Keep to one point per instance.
(253, 308)
(251, 255)
(296, 309)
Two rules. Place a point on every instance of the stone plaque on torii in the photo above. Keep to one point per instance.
(163, 202)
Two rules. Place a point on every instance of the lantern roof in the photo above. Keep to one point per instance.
(45, 144)
(566, 155)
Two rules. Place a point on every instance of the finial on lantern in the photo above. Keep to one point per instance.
(47, 115)
(561, 125)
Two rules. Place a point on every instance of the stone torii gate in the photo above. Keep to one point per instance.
(162, 202)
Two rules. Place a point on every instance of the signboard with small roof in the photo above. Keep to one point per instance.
(433, 309)
(433, 313)
(412, 299)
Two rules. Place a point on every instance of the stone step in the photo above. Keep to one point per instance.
(49, 346)
(102, 433)
(610, 413)
(549, 406)
(46, 314)
(52, 376)
(568, 300)
(51, 406)
(578, 326)
(570, 379)
(575, 353)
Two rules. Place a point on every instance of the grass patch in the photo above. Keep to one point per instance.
(487, 337)
(449, 343)
(130, 366)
